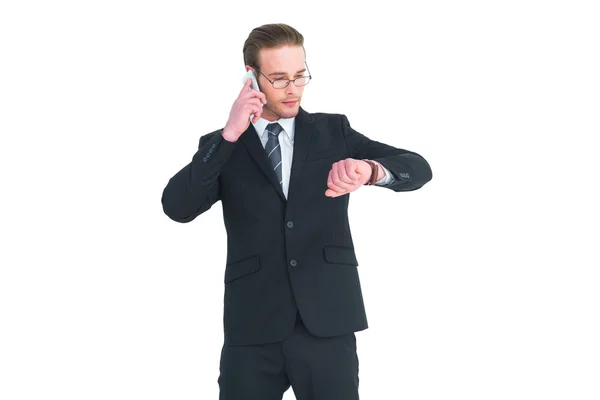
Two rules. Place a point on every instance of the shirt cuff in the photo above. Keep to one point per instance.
(387, 179)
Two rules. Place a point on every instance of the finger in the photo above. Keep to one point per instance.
(343, 172)
(331, 185)
(245, 87)
(351, 171)
(255, 94)
(331, 193)
(255, 101)
(254, 109)
(257, 114)
(336, 177)
(262, 97)
(344, 188)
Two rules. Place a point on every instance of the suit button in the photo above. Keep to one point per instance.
(290, 224)
(293, 263)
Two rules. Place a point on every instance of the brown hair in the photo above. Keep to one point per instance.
(270, 36)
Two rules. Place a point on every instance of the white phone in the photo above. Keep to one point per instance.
(250, 74)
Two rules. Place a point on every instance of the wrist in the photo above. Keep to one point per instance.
(380, 171)
(228, 135)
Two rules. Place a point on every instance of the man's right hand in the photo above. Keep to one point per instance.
(248, 102)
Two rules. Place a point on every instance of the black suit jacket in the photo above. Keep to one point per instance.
(285, 256)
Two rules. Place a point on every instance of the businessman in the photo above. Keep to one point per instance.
(283, 175)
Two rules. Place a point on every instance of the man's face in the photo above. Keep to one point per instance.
(287, 63)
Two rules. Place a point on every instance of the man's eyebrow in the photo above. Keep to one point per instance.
(283, 73)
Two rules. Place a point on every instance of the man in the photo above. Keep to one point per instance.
(292, 293)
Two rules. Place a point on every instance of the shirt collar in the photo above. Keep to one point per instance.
(286, 123)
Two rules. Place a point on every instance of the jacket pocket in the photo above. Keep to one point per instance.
(242, 268)
(340, 255)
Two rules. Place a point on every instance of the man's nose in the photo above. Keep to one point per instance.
(291, 89)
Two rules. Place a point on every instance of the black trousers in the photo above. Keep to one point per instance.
(316, 368)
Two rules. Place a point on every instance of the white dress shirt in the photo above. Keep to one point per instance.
(286, 142)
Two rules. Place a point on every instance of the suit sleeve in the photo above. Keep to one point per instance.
(410, 171)
(387, 179)
(195, 188)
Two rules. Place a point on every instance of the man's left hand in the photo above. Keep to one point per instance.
(346, 176)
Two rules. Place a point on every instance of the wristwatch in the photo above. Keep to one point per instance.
(374, 172)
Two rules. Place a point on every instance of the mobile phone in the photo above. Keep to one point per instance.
(250, 74)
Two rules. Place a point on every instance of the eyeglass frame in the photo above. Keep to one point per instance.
(284, 79)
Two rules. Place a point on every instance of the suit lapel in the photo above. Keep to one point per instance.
(257, 151)
(302, 135)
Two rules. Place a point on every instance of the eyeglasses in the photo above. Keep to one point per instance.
(282, 83)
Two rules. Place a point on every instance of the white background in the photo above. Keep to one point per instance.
(483, 284)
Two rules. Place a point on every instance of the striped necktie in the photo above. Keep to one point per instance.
(274, 150)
